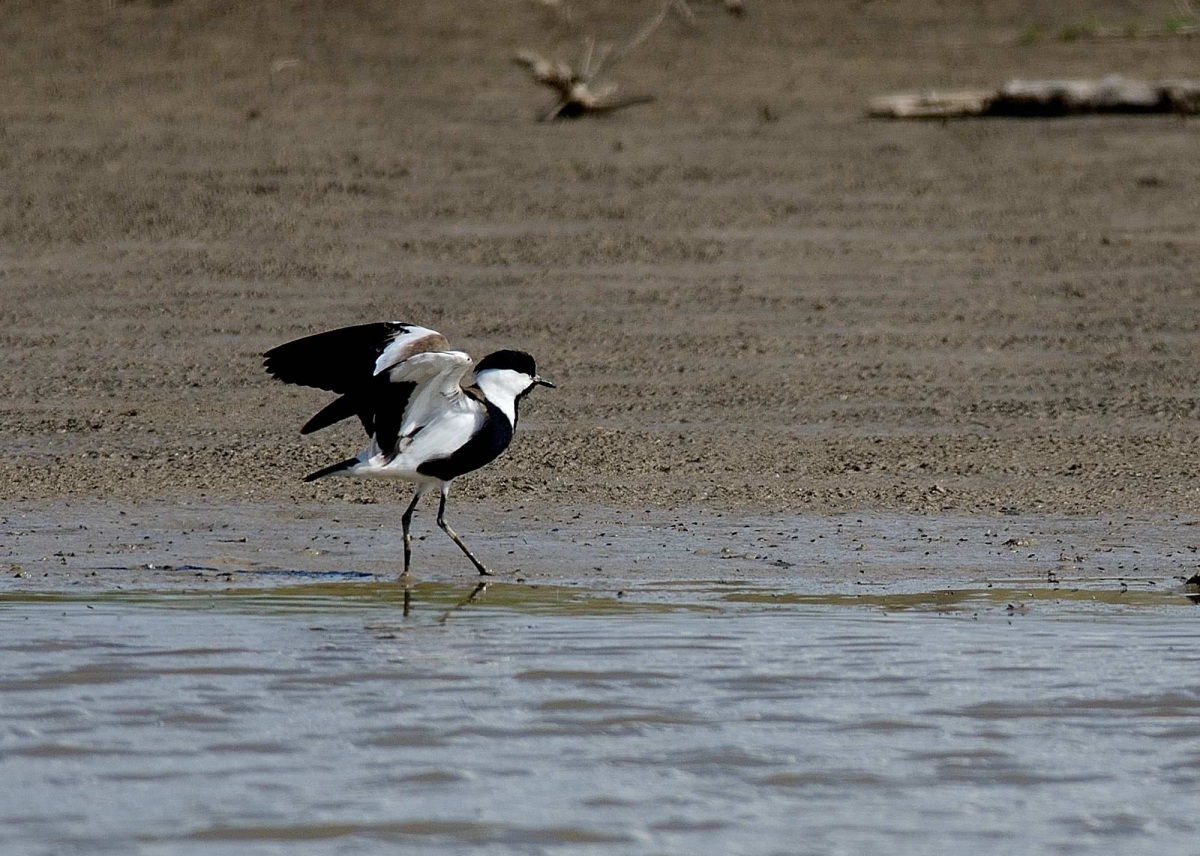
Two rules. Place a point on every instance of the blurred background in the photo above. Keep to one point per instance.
(750, 294)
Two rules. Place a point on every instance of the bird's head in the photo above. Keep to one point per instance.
(511, 372)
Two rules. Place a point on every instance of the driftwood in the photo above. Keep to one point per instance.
(1112, 94)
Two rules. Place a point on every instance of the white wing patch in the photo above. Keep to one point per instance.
(443, 434)
(438, 376)
(411, 340)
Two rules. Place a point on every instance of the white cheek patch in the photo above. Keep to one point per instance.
(503, 387)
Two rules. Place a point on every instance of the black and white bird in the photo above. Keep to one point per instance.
(431, 413)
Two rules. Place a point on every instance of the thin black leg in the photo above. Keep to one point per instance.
(441, 521)
(405, 522)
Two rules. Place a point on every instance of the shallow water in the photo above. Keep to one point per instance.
(676, 718)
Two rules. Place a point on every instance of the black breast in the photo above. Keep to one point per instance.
(483, 448)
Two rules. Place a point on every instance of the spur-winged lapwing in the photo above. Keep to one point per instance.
(431, 413)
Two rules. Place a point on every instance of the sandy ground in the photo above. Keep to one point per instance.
(754, 300)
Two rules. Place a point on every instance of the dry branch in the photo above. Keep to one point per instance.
(578, 92)
(576, 95)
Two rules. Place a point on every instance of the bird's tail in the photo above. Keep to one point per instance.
(332, 470)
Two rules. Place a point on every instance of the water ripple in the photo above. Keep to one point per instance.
(246, 725)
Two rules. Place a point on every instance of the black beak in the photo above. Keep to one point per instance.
(541, 381)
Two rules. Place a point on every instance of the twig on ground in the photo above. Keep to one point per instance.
(577, 95)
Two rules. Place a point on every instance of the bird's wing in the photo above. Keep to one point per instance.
(345, 360)
(414, 391)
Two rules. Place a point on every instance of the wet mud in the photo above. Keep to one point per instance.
(100, 546)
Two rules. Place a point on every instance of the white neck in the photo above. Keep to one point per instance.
(502, 387)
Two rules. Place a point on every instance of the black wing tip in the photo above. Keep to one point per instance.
(280, 363)
(332, 359)
(268, 361)
(332, 413)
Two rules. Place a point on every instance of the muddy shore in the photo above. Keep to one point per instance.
(754, 300)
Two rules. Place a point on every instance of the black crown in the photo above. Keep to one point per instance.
(517, 361)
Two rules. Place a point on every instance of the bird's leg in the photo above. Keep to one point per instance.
(441, 521)
(405, 522)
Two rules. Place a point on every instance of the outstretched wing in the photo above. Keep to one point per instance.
(347, 361)
(413, 391)
(344, 360)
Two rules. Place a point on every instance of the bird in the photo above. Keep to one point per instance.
(431, 414)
